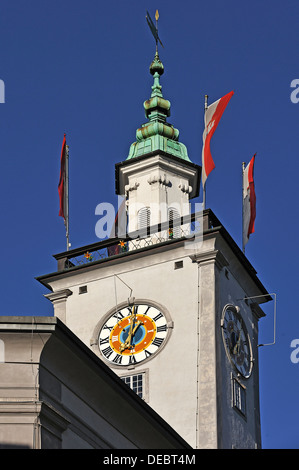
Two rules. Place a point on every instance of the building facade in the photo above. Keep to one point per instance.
(56, 394)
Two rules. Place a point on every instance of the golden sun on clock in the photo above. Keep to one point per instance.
(133, 334)
(143, 336)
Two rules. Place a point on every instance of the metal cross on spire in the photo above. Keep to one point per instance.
(153, 28)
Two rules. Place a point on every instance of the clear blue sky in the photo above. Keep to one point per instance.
(82, 67)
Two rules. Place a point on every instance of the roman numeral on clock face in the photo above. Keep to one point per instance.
(157, 342)
(106, 327)
(161, 328)
(107, 352)
(132, 360)
(157, 317)
(117, 359)
(104, 340)
(118, 315)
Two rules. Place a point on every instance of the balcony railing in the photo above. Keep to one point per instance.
(183, 228)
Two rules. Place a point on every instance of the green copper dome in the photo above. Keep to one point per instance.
(157, 134)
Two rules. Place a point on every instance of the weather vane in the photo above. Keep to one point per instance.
(153, 28)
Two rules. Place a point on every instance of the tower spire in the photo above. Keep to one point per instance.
(156, 69)
(157, 133)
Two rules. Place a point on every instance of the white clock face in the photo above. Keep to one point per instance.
(236, 340)
(133, 334)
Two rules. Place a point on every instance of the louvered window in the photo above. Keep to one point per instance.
(172, 215)
(144, 218)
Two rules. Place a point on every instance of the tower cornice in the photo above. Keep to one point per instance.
(120, 168)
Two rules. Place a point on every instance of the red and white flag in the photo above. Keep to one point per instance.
(249, 201)
(62, 181)
(212, 117)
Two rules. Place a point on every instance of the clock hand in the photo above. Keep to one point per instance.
(132, 330)
(132, 318)
(128, 343)
(136, 326)
(125, 345)
(237, 345)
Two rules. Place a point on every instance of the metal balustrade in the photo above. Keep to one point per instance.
(186, 227)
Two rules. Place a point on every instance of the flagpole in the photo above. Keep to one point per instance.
(66, 222)
(204, 187)
(243, 245)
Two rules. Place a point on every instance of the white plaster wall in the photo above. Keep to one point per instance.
(157, 196)
(190, 379)
(172, 374)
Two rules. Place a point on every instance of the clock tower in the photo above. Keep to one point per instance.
(173, 307)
